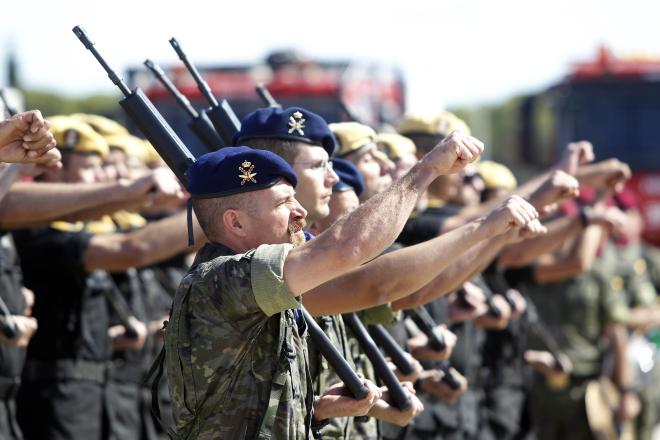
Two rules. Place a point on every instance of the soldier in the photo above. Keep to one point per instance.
(67, 365)
(290, 270)
(583, 313)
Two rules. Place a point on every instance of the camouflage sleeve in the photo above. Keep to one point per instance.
(267, 275)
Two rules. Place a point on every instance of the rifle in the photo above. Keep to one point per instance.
(397, 394)
(8, 108)
(391, 348)
(150, 122)
(266, 97)
(199, 123)
(175, 154)
(427, 325)
(7, 323)
(222, 116)
(334, 358)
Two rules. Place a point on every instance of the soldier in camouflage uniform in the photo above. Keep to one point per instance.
(216, 396)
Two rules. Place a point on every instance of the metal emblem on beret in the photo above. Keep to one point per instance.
(297, 123)
(248, 176)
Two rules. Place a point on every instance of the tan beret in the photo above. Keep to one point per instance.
(73, 135)
(352, 136)
(395, 145)
(496, 176)
(101, 124)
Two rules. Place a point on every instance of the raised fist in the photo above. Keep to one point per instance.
(608, 174)
(515, 212)
(454, 153)
(24, 138)
(575, 155)
(557, 187)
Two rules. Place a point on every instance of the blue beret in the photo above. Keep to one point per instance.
(293, 123)
(349, 176)
(235, 170)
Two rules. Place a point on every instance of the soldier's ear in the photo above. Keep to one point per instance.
(233, 222)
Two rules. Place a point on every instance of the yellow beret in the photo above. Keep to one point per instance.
(133, 146)
(419, 124)
(438, 125)
(496, 176)
(395, 145)
(448, 122)
(73, 135)
(352, 136)
(101, 124)
(151, 155)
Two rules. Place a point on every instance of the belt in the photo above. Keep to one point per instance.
(66, 369)
(9, 387)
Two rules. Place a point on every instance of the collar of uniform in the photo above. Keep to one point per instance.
(210, 251)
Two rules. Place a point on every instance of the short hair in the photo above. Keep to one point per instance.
(287, 149)
(209, 211)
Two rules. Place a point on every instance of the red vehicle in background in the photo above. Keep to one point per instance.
(614, 103)
(338, 91)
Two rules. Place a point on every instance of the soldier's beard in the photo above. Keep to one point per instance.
(296, 236)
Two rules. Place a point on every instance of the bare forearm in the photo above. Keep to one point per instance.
(525, 252)
(359, 236)
(470, 213)
(393, 275)
(99, 211)
(579, 260)
(165, 238)
(454, 275)
(30, 203)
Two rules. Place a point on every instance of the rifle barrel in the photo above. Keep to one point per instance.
(201, 84)
(89, 44)
(169, 85)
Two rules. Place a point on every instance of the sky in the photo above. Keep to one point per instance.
(452, 53)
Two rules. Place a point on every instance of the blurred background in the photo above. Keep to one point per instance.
(526, 76)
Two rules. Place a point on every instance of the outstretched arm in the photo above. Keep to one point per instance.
(402, 272)
(366, 232)
(153, 243)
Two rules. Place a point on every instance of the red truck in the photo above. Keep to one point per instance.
(336, 90)
(614, 103)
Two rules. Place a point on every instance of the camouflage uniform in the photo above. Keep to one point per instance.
(236, 354)
(576, 311)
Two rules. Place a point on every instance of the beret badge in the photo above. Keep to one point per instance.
(297, 123)
(248, 175)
